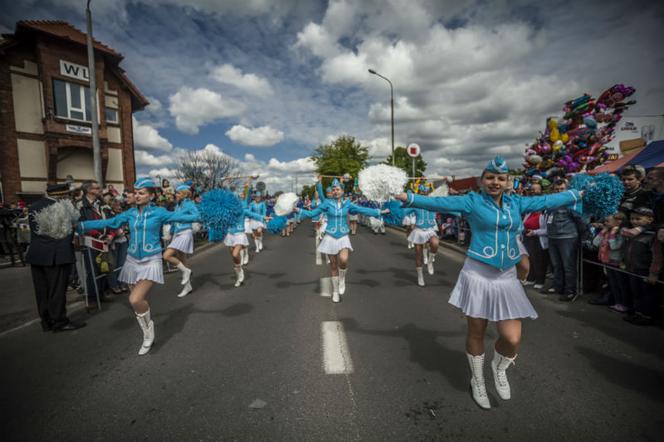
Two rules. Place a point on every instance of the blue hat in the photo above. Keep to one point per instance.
(144, 183)
(328, 189)
(182, 187)
(335, 183)
(497, 165)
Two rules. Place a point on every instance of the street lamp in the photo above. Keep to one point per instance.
(96, 149)
(371, 71)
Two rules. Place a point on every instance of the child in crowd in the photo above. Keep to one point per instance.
(643, 258)
(609, 243)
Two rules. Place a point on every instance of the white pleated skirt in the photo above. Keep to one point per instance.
(482, 291)
(353, 217)
(255, 225)
(247, 225)
(421, 236)
(147, 269)
(183, 241)
(236, 239)
(331, 245)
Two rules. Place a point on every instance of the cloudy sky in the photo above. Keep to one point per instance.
(266, 81)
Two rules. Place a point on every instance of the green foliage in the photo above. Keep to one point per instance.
(343, 155)
(308, 191)
(405, 162)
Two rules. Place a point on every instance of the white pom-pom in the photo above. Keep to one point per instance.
(378, 183)
(285, 203)
(166, 232)
(442, 190)
(56, 220)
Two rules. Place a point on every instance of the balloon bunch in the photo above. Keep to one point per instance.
(577, 142)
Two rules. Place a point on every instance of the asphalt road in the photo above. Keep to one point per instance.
(276, 360)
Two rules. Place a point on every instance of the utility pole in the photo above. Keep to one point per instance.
(96, 149)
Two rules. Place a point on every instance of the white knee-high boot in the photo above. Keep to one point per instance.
(239, 273)
(245, 256)
(186, 273)
(342, 281)
(499, 366)
(335, 289)
(147, 325)
(477, 380)
(420, 276)
(425, 255)
(432, 259)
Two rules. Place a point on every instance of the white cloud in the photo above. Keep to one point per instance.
(144, 158)
(260, 136)
(228, 74)
(147, 137)
(193, 108)
(163, 172)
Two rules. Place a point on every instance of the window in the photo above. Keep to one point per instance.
(112, 116)
(72, 101)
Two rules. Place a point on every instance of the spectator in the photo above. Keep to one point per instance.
(563, 231)
(91, 210)
(635, 195)
(118, 250)
(536, 244)
(166, 187)
(643, 261)
(609, 242)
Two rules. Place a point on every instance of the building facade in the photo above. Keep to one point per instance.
(45, 116)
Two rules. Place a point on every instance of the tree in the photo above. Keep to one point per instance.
(405, 162)
(206, 168)
(343, 155)
(308, 191)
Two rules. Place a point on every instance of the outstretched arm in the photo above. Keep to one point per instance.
(444, 204)
(367, 211)
(546, 202)
(304, 213)
(114, 223)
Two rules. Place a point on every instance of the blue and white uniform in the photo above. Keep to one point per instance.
(336, 230)
(487, 286)
(425, 225)
(144, 261)
(236, 235)
(261, 209)
(182, 233)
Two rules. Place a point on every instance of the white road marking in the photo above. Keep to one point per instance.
(336, 357)
(326, 287)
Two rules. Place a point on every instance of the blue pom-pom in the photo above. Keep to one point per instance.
(603, 193)
(219, 209)
(396, 215)
(277, 224)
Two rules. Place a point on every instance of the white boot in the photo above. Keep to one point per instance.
(477, 381)
(499, 366)
(245, 256)
(425, 255)
(410, 245)
(342, 281)
(185, 290)
(420, 276)
(239, 273)
(260, 243)
(147, 325)
(335, 289)
(257, 245)
(186, 273)
(432, 259)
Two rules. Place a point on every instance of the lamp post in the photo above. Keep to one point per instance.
(371, 71)
(96, 150)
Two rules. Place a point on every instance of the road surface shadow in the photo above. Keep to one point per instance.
(170, 324)
(643, 338)
(201, 280)
(289, 284)
(238, 309)
(643, 380)
(425, 350)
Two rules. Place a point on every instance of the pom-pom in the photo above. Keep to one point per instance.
(219, 210)
(380, 182)
(396, 214)
(603, 193)
(442, 190)
(277, 224)
(285, 204)
(57, 220)
(215, 235)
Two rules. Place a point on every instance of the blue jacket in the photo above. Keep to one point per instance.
(258, 208)
(184, 206)
(144, 227)
(424, 219)
(239, 226)
(315, 204)
(336, 212)
(494, 229)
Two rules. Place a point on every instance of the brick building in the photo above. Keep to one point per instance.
(45, 118)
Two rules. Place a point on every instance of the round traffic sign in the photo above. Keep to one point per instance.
(413, 150)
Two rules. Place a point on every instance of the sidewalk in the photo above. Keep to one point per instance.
(17, 296)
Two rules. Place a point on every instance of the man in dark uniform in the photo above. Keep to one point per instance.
(51, 260)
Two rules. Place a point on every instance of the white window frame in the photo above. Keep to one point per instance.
(117, 113)
(82, 109)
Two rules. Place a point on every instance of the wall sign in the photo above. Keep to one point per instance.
(74, 70)
(84, 130)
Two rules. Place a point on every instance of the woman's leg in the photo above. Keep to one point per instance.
(173, 256)
(138, 298)
(433, 249)
(334, 271)
(236, 254)
(419, 259)
(523, 267)
(475, 356)
(506, 349)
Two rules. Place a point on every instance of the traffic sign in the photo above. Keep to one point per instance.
(413, 150)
